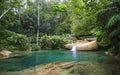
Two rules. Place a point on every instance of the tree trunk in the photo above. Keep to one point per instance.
(4, 13)
(37, 39)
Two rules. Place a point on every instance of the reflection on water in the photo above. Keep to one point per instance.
(74, 54)
(73, 50)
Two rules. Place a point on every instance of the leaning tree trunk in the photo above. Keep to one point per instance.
(4, 13)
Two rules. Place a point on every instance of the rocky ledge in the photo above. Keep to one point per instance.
(70, 68)
(83, 45)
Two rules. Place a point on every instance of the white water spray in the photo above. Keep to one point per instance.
(73, 48)
(74, 52)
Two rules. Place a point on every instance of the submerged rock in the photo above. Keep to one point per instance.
(70, 68)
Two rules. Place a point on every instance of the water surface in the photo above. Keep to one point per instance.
(38, 57)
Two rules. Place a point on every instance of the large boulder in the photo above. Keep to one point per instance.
(83, 45)
(87, 46)
(5, 53)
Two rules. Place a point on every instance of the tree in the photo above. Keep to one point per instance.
(9, 10)
(83, 15)
(108, 20)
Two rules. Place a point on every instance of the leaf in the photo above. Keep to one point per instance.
(113, 20)
(114, 33)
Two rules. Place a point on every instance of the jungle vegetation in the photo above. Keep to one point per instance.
(58, 19)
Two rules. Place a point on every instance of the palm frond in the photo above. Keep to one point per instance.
(100, 12)
(113, 20)
(104, 15)
(115, 32)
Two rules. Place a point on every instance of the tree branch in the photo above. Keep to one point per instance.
(4, 13)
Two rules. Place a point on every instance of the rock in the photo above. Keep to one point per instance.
(69, 46)
(91, 39)
(18, 56)
(70, 68)
(83, 45)
(108, 53)
(5, 53)
(87, 46)
(72, 38)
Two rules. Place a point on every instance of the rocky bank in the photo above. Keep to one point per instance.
(70, 68)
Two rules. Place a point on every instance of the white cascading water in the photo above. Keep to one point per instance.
(73, 48)
(74, 52)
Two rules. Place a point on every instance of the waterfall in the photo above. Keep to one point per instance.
(74, 54)
(73, 48)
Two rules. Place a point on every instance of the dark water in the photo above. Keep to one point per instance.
(37, 58)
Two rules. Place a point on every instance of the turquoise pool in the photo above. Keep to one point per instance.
(37, 58)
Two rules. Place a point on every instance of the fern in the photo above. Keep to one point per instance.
(113, 20)
(101, 12)
(104, 14)
(115, 32)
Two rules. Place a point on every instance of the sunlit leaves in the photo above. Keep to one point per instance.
(60, 8)
(84, 12)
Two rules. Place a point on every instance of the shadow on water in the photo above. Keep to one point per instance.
(37, 58)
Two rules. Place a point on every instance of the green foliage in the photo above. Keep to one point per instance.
(113, 20)
(58, 18)
(22, 19)
(115, 33)
(3, 40)
(83, 17)
(53, 19)
(9, 18)
(35, 47)
(108, 20)
(60, 8)
(13, 41)
(53, 42)
(112, 50)
(19, 41)
(76, 29)
(118, 56)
